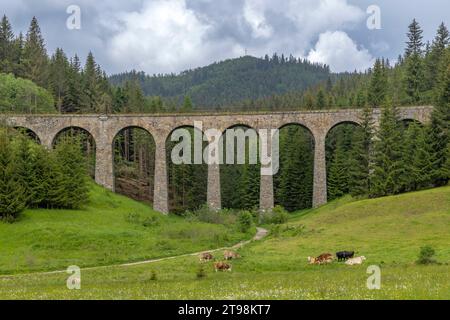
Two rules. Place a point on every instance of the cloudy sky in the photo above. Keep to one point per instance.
(163, 36)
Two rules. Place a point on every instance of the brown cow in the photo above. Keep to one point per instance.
(206, 256)
(222, 266)
(322, 259)
(229, 255)
(325, 258)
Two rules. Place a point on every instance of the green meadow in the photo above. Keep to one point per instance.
(389, 232)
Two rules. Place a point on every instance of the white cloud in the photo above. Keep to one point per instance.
(254, 15)
(164, 35)
(340, 52)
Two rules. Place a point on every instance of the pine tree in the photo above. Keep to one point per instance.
(321, 100)
(440, 122)
(58, 73)
(360, 155)
(72, 98)
(378, 85)
(422, 165)
(435, 55)
(388, 168)
(414, 75)
(415, 37)
(90, 85)
(11, 192)
(338, 172)
(187, 105)
(35, 55)
(69, 181)
(6, 46)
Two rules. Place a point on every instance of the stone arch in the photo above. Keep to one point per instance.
(232, 173)
(89, 144)
(184, 196)
(407, 121)
(29, 133)
(133, 156)
(343, 122)
(300, 159)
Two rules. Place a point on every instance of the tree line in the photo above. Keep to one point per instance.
(33, 177)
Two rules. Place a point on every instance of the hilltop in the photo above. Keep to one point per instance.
(227, 82)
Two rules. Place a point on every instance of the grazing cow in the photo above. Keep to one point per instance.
(206, 256)
(357, 260)
(345, 255)
(229, 255)
(322, 259)
(222, 266)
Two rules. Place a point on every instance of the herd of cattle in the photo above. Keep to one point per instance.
(347, 256)
(220, 265)
(325, 258)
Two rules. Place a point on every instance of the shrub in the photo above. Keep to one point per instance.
(245, 221)
(277, 216)
(426, 255)
(152, 221)
(201, 273)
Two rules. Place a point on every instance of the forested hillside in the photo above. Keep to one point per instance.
(229, 82)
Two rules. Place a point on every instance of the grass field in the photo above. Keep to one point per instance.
(388, 231)
(111, 229)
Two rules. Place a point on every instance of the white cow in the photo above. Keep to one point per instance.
(357, 260)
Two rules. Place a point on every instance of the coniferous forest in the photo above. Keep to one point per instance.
(361, 161)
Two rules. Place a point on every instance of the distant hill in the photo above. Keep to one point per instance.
(230, 81)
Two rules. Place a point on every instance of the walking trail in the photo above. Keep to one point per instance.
(260, 234)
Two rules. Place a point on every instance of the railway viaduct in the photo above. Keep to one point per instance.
(104, 129)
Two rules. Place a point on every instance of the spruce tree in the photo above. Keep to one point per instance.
(11, 192)
(69, 183)
(414, 75)
(440, 122)
(58, 73)
(378, 85)
(388, 168)
(35, 55)
(338, 172)
(6, 46)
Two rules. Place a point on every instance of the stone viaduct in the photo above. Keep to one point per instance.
(104, 129)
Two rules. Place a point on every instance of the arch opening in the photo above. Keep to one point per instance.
(28, 133)
(187, 180)
(87, 142)
(293, 184)
(347, 168)
(240, 169)
(134, 163)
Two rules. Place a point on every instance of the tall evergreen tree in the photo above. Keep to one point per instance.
(414, 76)
(35, 55)
(440, 122)
(378, 85)
(388, 168)
(11, 192)
(6, 46)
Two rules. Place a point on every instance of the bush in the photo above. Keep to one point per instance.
(205, 214)
(426, 255)
(245, 221)
(201, 273)
(277, 216)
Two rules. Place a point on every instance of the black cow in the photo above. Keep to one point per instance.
(345, 255)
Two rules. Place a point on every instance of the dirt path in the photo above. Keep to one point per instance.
(260, 234)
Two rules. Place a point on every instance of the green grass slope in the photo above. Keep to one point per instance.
(388, 231)
(110, 229)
